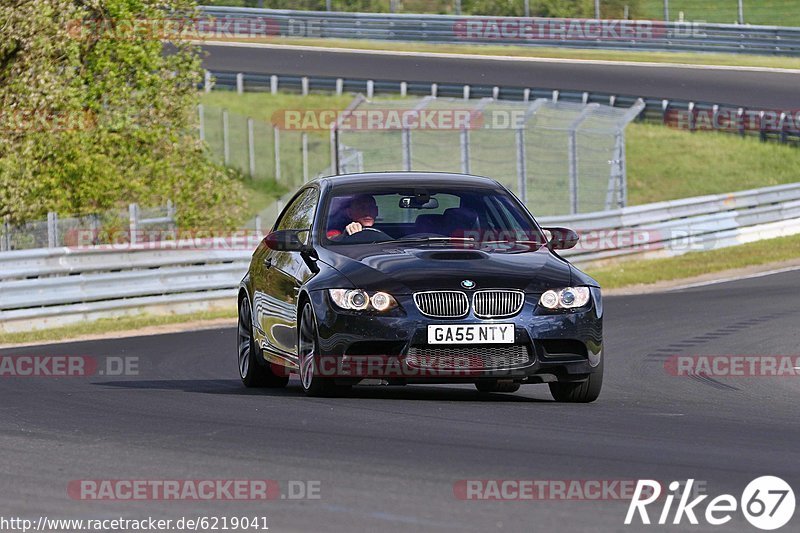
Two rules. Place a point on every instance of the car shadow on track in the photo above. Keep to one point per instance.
(293, 390)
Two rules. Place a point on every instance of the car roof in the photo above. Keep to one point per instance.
(403, 178)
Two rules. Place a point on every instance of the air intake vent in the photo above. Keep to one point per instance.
(455, 256)
(497, 303)
(442, 304)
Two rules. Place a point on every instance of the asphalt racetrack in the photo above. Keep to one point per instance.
(754, 89)
(388, 458)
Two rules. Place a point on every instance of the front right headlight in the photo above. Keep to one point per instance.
(566, 298)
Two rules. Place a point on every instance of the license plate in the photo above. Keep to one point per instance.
(471, 334)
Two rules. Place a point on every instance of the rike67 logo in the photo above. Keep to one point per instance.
(767, 502)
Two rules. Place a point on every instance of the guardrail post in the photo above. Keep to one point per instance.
(526, 95)
(133, 222)
(664, 110)
(691, 116)
(226, 140)
(782, 127)
(370, 88)
(522, 174)
(304, 143)
(666, 10)
(434, 89)
(339, 86)
(466, 92)
(201, 115)
(52, 229)
(495, 92)
(555, 95)
(762, 130)
(273, 84)
(276, 134)
(585, 98)
(304, 85)
(240, 83)
(612, 100)
(251, 147)
(403, 88)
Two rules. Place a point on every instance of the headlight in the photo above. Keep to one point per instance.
(568, 298)
(361, 300)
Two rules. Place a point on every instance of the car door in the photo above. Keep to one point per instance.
(282, 274)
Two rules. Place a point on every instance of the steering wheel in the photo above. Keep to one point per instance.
(362, 237)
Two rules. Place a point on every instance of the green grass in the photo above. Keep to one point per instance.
(666, 164)
(695, 58)
(768, 12)
(109, 325)
(624, 274)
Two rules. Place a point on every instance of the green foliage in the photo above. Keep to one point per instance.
(93, 117)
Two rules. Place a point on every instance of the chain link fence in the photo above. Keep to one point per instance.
(115, 226)
(559, 157)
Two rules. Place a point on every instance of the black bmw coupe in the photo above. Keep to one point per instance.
(410, 277)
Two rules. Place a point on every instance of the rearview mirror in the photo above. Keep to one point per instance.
(286, 240)
(562, 238)
(416, 202)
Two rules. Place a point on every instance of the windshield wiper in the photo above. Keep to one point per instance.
(434, 239)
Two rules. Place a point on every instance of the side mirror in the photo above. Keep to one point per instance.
(562, 238)
(286, 240)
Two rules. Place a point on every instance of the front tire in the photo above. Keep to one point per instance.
(253, 373)
(308, 357)
(581, 392)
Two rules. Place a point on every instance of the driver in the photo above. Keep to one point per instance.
(362, 210)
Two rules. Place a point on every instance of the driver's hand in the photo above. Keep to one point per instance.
(353, 227)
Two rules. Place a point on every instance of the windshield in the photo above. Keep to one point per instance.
(440, 215)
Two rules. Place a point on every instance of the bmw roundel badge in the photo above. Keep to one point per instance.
(468, 284)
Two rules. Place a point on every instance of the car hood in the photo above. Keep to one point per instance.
(403, 270)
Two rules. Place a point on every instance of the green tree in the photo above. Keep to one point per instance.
(94, 114)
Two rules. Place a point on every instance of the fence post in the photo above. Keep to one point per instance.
(406, 147)
(207, 81)
(334, 150)
(226, 144)
(6, 242)
(251, 147)
(276, 134)
(51, 229)
(240, 83)
(464, 150)
(171, 210)
(304, 144)
(133, 222)
(522, 171)
(202, 116)
(258, 224)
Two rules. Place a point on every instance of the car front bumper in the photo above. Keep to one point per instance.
(547, 347)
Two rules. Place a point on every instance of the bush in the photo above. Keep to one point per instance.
(93, 117)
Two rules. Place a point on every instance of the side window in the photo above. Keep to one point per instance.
(300, 213)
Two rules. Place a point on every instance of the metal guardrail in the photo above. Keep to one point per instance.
(768, 125)
(57, 286)
(573, 33)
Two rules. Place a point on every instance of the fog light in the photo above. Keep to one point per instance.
(549, 299)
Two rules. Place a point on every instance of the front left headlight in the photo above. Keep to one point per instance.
(566, 298)
(361, 300)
